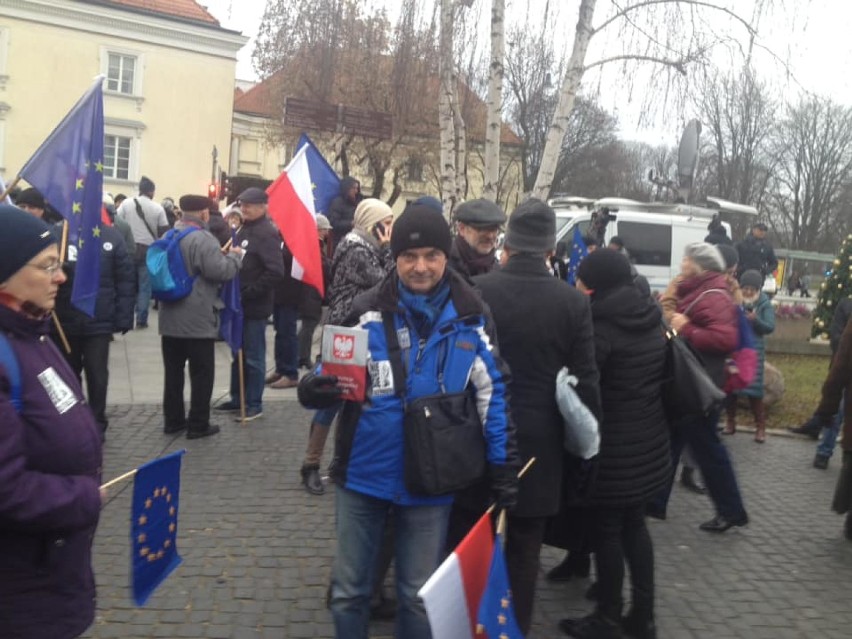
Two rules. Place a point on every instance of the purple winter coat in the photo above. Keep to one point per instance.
(50, 464)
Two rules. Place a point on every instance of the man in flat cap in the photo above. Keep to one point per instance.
(148, 221)
(756, 253)
(189, 326)
(478, 223)
(263, 269)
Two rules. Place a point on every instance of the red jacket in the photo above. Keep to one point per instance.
(713, 328)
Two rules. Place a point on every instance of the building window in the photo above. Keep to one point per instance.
(121, 71)
(117, 157)
(414, 170)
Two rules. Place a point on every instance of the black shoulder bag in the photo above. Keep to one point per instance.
(142, 249)
(444, 445)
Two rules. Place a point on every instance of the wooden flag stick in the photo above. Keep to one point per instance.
(227, 245)
(63, 245)
(242, 387)
(9, 188)
(120, 478)
(521, 473)
(61, 332)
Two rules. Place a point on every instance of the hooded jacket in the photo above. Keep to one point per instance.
(341, 211)
(369, 443)
(50, 461)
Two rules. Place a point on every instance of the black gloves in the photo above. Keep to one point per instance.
(504, 485)
(318, 391)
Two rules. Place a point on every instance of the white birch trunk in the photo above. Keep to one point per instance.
(445, 111)
(570, 85)
(494, 103)
(460, 144)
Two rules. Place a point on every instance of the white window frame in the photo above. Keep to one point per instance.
(4, 57)
(138, 71)
(133, 131)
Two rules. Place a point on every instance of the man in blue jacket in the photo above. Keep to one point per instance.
(440, 324)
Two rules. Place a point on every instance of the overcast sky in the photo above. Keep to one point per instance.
(811, 36)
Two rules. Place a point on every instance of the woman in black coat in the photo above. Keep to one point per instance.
(634, 460)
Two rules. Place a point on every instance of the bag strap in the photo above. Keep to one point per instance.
(13, 371)
(394, 355)
(695, 301)
(143, 218)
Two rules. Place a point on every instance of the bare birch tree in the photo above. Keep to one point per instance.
(446, 114)
(493, 127)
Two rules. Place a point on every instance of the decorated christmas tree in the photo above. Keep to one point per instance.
(837, 285)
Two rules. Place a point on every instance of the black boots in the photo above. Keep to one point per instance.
(720, 523)
(575, 564)
(311, 479)
(198, 433)
(595, 626)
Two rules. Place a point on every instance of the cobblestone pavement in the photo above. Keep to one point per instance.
(257, 549)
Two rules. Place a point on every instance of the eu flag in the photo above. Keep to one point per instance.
(324, 181)
(231, 315)
(496, 616)
(578, 252)
(68, 170)
(153, 524)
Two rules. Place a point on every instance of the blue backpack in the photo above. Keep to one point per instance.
(169, 279)
(9, 361)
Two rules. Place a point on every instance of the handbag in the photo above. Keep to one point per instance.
(444, 446)
(582, 437)
(687, 387)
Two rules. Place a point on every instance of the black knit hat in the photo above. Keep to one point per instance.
(751, 278)
(24, 236)
(604, 269)
(31, 197)
(730, 255)
(194, 203)
(532, 228)
(420, 226)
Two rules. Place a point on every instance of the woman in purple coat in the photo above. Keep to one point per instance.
(50, 450)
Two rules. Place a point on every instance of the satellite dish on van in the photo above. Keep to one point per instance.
(687, 158)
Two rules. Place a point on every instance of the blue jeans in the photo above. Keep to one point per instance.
(829, 433)
(143, 293)
(254, 357)
(420, 535)
(325, 416)
(701, 435)
(284, 318)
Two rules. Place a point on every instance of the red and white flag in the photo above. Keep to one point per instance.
(291, 207)
(453, 592)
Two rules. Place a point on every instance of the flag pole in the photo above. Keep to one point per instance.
(126, 475)
(63, 247)
(242, 387)
(9, 187)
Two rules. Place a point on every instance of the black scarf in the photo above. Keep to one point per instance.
(476, 263)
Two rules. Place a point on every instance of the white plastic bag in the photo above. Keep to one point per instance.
(582, 437)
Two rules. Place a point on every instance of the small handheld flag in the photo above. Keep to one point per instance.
(496, 615)
(153, 524)
(231, 315)
(579, 250)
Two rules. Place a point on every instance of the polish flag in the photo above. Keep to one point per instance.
(291, 207)
(452, 593)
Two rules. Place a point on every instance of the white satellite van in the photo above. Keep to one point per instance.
(654, 233)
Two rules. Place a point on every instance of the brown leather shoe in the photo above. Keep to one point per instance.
(285, 382)
(272, 378)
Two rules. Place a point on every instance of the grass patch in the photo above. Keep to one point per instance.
(803, 378)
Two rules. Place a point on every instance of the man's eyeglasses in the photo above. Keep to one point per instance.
(50, 268)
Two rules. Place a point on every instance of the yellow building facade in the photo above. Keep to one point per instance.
(168, 92)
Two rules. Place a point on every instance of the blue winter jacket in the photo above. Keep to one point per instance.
(369, 444)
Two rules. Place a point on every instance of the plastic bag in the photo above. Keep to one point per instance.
(582, 437)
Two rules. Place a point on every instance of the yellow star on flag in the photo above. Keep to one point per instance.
(143, 520)
(79, 183)
(501, 619)
(313, 187)
(171, 528)
(76, 208)
(172, 511)
(142, 538)
(143, 552)
(99, 167)
(149, 502)
(96, 231)
(156, 492)
(80, 243)
(504, 603)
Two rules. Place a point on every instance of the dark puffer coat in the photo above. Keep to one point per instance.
(634, 461)
(263, 266)
(50, 464)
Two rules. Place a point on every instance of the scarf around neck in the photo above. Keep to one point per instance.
(425, 308)
(476, 263)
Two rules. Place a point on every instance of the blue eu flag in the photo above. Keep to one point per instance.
(231, 315)
(578, 252)
(496, 616)
(68, 170)
(324, 181)
(153, 524)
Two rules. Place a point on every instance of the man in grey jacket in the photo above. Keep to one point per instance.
(189, 326)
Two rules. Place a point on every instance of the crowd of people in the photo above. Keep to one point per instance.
(455, 339)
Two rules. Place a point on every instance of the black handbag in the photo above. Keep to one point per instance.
(444, 446)
(688, 389)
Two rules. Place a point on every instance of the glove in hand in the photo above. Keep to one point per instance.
(318, 391)
(504, 485)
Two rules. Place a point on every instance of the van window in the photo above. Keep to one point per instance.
(649, 244)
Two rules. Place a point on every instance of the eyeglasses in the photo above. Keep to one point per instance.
(50, 269)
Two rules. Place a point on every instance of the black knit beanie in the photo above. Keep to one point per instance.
(604, 269)
(24, 236)
(532, 228)
(420, 226)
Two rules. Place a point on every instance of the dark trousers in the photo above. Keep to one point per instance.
(284, 317)
(306, 339)
(701, 435)
(90, 354)
(621, 534)
(200, 355)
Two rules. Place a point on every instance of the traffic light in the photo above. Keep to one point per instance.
(213, 191)
(225, 183)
